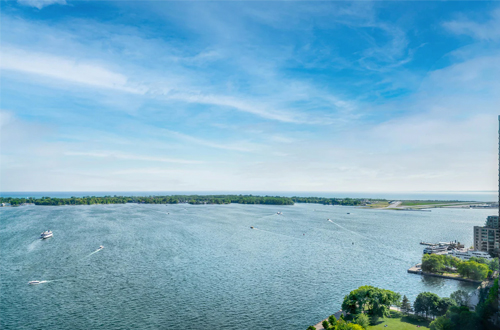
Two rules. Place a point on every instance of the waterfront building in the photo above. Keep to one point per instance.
(466, 254)
(487, 238)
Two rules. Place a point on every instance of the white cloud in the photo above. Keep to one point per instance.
(41, 3)
(245, 147)
(67, 69)
(238, 104)
(488, 30)
(118, 155)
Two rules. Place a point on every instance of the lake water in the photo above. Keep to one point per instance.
(202, 267)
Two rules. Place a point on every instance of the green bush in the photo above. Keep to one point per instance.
(363, 321)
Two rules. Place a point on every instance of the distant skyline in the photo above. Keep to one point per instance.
(249, 96)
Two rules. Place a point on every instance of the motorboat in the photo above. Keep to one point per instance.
(101, 247)
(251, 227)
(46, 234)
(348, 213)
(279, 213)
(34, 282)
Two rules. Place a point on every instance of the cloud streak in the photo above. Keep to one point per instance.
(486, 30)
(41, 3)
(122, 156)
(66, 69)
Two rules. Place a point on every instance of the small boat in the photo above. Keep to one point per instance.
(251, 228)
(328, 220)
(101, 247)
(348, 213)
(46, 234)
(33, 282)
(279, 213)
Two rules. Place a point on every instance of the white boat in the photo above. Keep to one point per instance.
(46, 234)
(279, 213)
(436, 249)
(33, 282)
(466, 254)
(101, 247)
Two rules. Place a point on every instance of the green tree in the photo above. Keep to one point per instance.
(374, 300)
(311, 327)
(426, 303)
(325, 324)
(460, 297)
(405, 305)
(443, 305)
(332, 319)
(441, 323)
(432, 263)
(473, 270)
(493, 264)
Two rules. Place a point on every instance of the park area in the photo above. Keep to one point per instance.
(400, 323)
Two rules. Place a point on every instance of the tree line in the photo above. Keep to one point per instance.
(365, 305)
(174, 199)
(475, 268)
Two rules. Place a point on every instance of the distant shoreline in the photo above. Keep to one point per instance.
(478, 196)
(401, 205)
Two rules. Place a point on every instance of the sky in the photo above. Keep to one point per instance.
(249, 96)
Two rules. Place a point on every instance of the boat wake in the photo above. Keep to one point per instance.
(34, 244)
(99, 249)
(352, 231)
(372, 239)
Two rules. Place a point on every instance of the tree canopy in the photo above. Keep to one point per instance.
(475, 268)
(174, 199)
(375, 301)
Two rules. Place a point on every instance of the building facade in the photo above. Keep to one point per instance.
(487, 238)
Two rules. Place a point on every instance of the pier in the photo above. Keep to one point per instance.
(451, 245)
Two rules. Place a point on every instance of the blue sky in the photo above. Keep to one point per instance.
(242, 96)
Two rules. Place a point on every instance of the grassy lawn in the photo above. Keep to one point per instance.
(378, 204)
(404, 323)
(415, 203)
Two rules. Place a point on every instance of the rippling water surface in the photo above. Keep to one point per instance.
(202, 267)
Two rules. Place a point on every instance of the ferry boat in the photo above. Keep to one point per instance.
(435, 249)
(46, 234)
(466, 254)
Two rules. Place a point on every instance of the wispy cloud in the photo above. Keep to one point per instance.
(72, 70)
(118, 155)
(485, 30)
(41, 3)
(245, 147)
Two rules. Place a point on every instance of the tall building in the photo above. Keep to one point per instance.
(487, 238)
